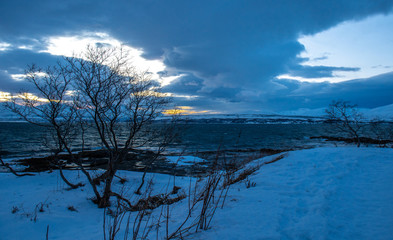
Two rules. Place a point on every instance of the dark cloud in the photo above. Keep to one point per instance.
(22, 19)
(232, 49)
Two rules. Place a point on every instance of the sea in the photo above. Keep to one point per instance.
(21, 139)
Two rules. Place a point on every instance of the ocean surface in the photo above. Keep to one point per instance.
(18, 139)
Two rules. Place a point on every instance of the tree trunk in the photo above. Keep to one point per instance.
(104, 201)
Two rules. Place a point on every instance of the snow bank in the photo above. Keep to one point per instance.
(27, 195)
(323, 193)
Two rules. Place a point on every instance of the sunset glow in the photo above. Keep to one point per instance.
(185, 110)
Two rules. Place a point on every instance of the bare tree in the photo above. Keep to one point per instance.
(111, 92)
(101, 87)
(346, 118)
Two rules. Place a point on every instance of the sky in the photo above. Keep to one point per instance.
(256, 56)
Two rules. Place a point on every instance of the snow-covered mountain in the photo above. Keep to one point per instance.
(384, 112)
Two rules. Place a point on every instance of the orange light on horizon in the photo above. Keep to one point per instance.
(184, 110)
(30, 96)
(5, 96)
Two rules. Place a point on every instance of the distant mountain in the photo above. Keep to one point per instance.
(384, 112)
(303, 115)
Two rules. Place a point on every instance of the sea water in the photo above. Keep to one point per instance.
(20, 139)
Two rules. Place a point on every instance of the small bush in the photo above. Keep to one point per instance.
(250, 184)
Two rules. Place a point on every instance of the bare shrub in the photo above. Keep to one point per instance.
(204, 197)
(112, 222)
(234, 178)
(202, 204)
(135, 219)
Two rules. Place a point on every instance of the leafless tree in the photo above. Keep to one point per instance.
(110, 92)
(346, 118)
(101, 87)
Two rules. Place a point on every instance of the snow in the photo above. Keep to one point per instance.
(47, 189)
(321, 193)
(185, 160)
(325, 193)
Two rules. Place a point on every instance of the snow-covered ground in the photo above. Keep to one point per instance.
(185, 160)
(322, 193)
(325, 193)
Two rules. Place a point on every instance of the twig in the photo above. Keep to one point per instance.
(47, 232)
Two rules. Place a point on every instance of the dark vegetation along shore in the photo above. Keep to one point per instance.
(146, 160)
(363, 140)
